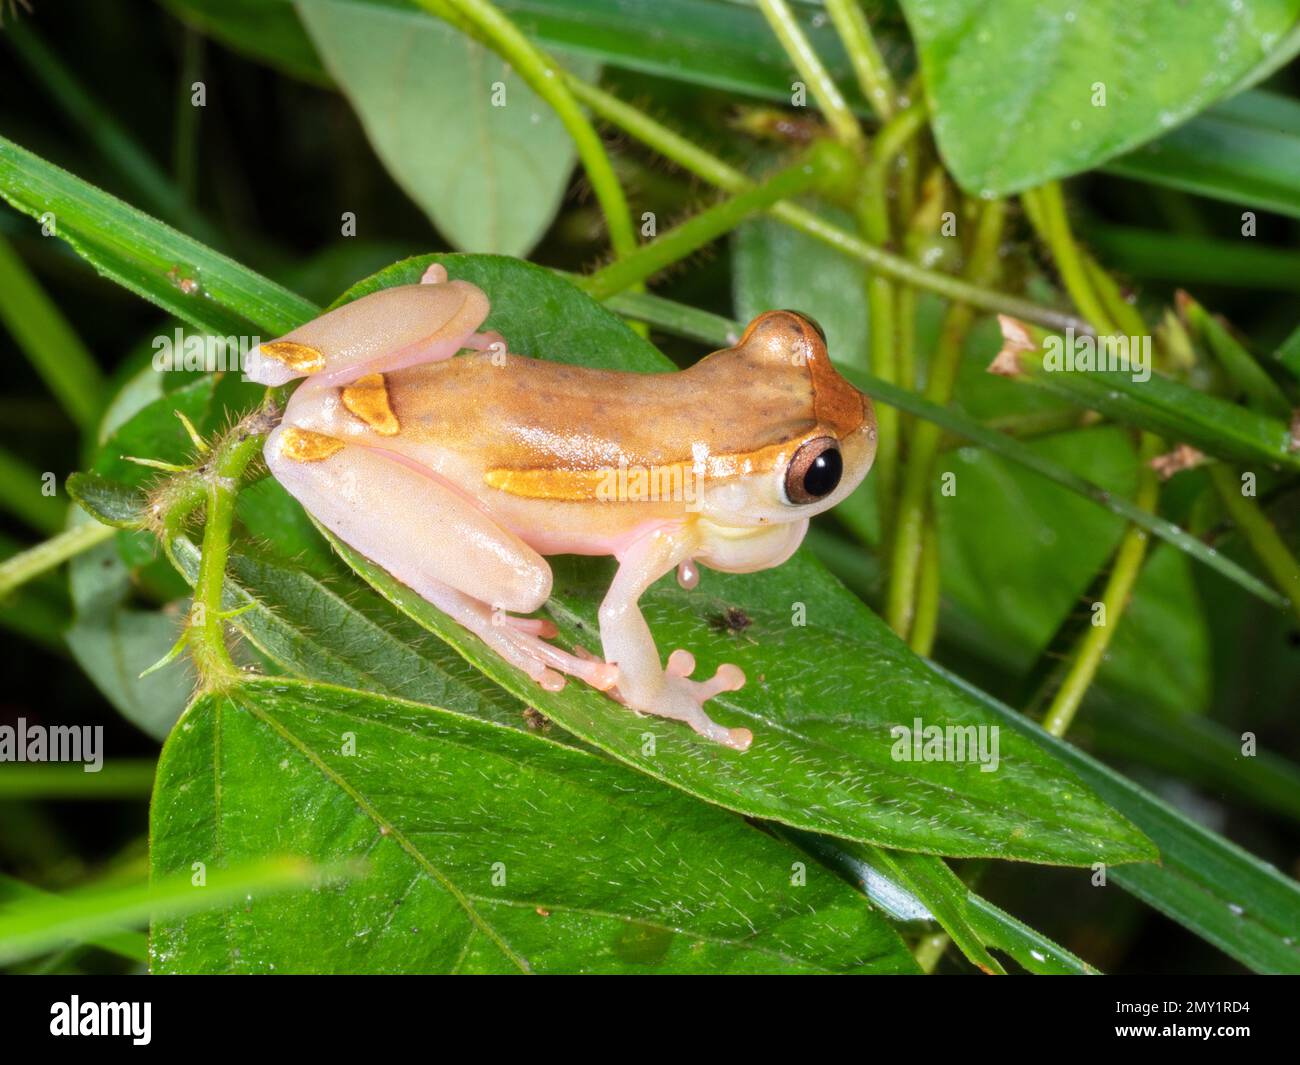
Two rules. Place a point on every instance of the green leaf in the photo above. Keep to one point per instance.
(716, 43)
(108, 501)
(115, 642)
(822, 697)
(1245, 150)
(306, 625)
(1230, 898)
(487, 851)
(489, 171)
(1187, 259)
(1014, 86)
(180, 275)
(1170, 409)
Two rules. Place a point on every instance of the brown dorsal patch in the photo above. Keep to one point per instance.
(836, 403)
(301, 358)
(302, 445)
(781, 339)
(367, 398)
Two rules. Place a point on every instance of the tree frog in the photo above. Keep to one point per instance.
(457, 465)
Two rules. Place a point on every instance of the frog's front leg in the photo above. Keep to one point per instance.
(644, 684)
(433, 539)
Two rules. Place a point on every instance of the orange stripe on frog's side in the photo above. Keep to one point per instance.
(619, 484)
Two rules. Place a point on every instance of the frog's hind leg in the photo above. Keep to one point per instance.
(435, 540)
(406, 325)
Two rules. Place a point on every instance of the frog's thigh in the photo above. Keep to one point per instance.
(420, 529)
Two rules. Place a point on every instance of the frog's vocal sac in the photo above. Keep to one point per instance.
(456, 465)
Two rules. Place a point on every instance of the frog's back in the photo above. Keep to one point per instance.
(533, 414)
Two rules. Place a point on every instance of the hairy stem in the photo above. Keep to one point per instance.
(29, 564)
(222, 474)
(843, 122)
(821, 162)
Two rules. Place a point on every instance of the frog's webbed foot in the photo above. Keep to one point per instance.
(676, 696)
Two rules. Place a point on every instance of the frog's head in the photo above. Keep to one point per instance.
(815, 433)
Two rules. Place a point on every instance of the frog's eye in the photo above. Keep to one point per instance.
(812, 322)
(814, 472)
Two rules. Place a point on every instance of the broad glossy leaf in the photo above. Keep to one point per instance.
(486, 851)
(1245, 907)
(1012, 85)
(1245, 150)
(488, 170)
(306, 625)
(822, 697)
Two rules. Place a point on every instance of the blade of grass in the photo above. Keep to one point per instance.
(97, 124)
(133, 946)
(119, 778)
(40, 924)
(48, 341)
(148, 257)
(21, 494)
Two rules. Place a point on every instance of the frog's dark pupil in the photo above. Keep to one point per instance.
(823, 475)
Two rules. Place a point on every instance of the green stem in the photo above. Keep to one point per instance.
(710, 168)
(821, 162)
(206, 635)
(868, 64)
(49, 341)
(883, 318)
(919, 475)
(925, 624)
(1260, 533)
(842, 120)
(31, 563)
(549, 81)
(1119, 586)
(1045, 207)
